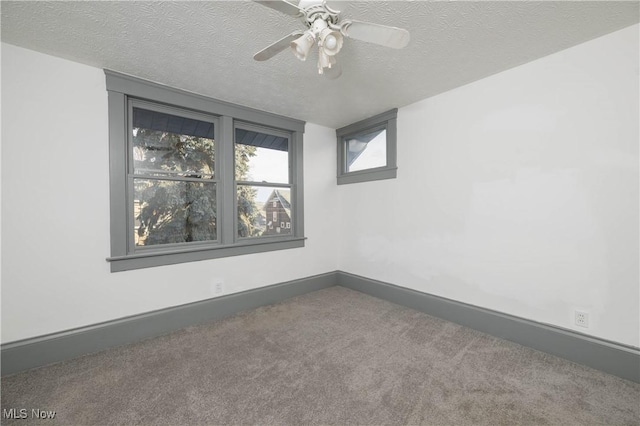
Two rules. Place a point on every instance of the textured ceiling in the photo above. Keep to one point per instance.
(207, 47)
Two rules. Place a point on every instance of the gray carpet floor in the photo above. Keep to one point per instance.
(334, 356)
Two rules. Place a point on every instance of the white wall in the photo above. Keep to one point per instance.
(517, 193)
(55, 210)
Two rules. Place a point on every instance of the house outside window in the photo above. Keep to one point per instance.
(367, 149)
(191, 177)
(279, 206)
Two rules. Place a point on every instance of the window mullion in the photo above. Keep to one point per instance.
(264, 183)
(227, 190)
(297, 194)
(173, 178)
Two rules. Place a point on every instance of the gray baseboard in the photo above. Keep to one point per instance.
(36, 352)
(610, 357)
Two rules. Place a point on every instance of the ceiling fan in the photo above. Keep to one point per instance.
(328, 30)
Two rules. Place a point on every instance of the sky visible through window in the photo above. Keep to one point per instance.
(268, 165)
(374, 155)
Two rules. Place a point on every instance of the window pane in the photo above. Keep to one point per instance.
(367, 151)
(263, 211)
(168, 212)
(168, 144)
(261, 157)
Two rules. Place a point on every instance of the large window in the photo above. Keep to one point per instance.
(193, 178)
(367, 149)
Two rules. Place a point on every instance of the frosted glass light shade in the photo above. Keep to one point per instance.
(331, 41)
(302, 45)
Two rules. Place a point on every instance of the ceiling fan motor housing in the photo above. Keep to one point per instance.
(329, 43)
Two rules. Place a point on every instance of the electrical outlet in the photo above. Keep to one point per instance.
(582, 319)
(217, 287)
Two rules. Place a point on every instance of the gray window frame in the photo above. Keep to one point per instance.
(252, 127)
(123, 92)
(131, 176)
(387, 121)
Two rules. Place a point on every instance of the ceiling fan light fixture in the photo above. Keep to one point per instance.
(331, 41)
(303, 44)
(326, 27)
(324, 60)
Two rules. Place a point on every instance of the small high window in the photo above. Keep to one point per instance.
(367, 149)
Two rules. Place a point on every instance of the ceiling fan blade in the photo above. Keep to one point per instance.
(383, 35)
(282, 6)
(277, 47)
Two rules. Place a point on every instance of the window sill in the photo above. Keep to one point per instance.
(367, 175)
(159, 258)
